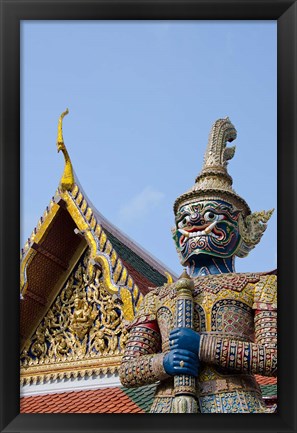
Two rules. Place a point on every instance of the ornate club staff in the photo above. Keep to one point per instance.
(184, 385)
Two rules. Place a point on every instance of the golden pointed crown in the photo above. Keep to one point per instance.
(214, 182)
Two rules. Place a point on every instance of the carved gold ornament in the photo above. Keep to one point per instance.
(82, 333)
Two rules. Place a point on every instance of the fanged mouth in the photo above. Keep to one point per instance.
(205, 230)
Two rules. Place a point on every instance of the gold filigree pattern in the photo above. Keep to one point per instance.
(102, 254)
(84, 323)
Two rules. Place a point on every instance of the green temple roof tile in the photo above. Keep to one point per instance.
(137, 262)
(269, 390)
(142, 396)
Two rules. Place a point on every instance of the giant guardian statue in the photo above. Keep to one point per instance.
(203, 337)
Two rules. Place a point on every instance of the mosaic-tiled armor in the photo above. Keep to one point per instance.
(234, 314)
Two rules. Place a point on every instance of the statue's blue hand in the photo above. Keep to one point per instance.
(184, 338)
(179, 361)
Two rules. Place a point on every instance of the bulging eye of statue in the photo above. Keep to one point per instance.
(183, 222)
(211, 216)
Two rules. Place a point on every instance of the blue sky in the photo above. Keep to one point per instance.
(142, 97)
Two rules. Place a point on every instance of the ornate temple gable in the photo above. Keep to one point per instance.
(70, 216)
(69, 227)
(83, 332)
(47, 260)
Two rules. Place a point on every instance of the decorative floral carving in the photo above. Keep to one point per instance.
(83, 317)
(85, 322)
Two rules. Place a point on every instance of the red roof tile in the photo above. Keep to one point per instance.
(106, 400)
(263, 380)
(112, 400)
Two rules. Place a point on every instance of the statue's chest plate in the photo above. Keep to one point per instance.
(223, 304)
(227, 315)
(166, 313)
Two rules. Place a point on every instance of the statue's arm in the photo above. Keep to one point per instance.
(141, 363)
(259, 357)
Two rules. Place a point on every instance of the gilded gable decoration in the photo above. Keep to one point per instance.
(83, 333)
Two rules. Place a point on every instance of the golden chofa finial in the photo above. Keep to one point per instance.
(67, 180)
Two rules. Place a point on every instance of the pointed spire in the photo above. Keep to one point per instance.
(185, 275)
(184, 284)
(214, 181)
(67, 179)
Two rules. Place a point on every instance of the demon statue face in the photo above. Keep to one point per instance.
(208, 227)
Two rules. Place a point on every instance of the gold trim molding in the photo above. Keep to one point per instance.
(27, 253)
(69, 369)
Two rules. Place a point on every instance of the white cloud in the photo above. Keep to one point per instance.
(141, 204)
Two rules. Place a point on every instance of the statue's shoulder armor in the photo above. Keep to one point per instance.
(168, 289)
(148, 308)
(265, 295)
(235, 282)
